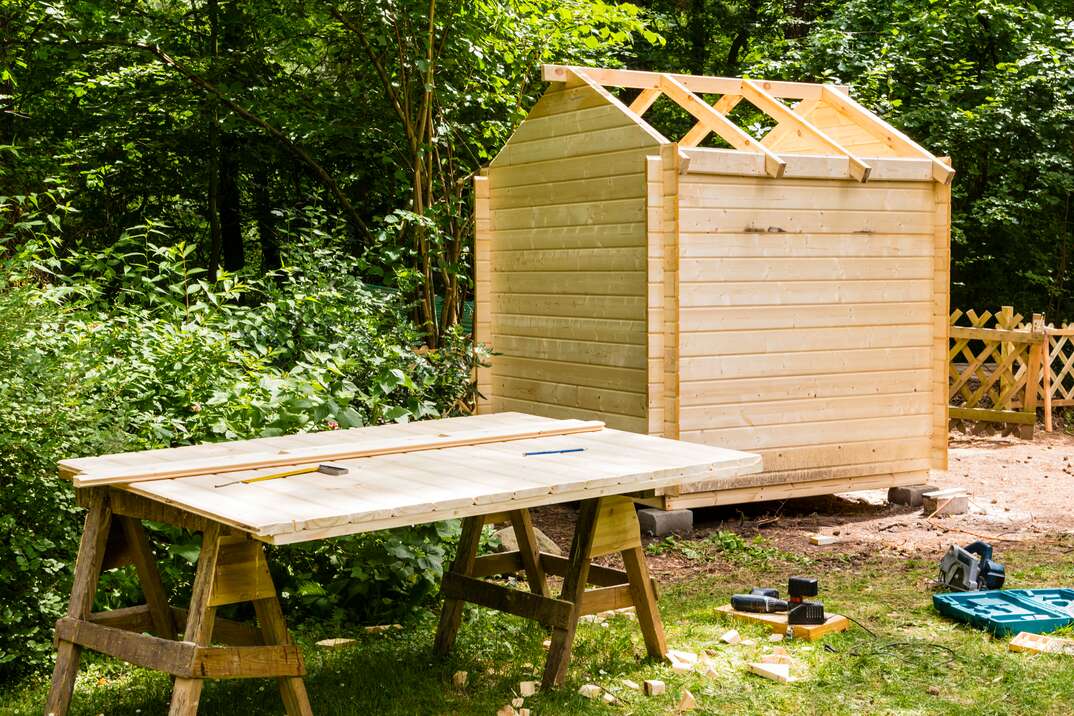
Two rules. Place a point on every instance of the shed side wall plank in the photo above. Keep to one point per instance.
(569, 264)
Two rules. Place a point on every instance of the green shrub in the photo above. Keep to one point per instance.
(132, 349)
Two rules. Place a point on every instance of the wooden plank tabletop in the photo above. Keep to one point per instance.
(392, 490)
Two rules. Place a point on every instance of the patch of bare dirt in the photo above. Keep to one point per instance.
(1020, 491)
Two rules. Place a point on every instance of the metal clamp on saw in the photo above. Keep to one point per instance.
(970, 568)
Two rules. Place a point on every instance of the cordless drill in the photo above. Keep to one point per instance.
(763, 600)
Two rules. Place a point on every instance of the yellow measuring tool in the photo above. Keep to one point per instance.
(326, 469)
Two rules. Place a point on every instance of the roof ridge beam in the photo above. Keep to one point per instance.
(703, 84)
(782, 113)
(883, 131)
(728, 130)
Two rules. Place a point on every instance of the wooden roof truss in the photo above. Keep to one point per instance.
(685, 90)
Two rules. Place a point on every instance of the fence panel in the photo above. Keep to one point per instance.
(990, 368)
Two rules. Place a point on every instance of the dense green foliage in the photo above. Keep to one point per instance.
(232, 219)
(133, 350)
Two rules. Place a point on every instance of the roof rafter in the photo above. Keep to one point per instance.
(784, 114)
(644, 101)
(720, 124)
(895, 139)
(701, 130)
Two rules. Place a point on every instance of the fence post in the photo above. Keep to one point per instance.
(1046, 379)
(1034, 363)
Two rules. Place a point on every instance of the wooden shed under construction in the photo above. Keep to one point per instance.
(787, 296)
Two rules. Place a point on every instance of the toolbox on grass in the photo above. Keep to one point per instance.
(1010, 611)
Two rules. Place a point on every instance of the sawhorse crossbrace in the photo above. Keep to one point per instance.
(605, 525)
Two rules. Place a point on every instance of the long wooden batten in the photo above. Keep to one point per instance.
(342, 451)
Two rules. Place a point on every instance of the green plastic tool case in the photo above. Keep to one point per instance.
(1009, 611)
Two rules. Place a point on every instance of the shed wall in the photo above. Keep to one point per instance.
(807, 322)
(568, 266)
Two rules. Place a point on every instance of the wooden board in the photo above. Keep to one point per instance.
(778, 623)
(392, 490)
(296, 454)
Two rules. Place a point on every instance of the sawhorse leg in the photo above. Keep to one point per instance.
(231, 569)
(605, 525)
(87, 571)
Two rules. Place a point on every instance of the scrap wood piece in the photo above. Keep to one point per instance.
(527, 688)
(731, 636)
(324, 453)
(822, 540)
(775, 672)
(686, 703)
(654, 687)
(336, 643)
(590, 691)
(1041, 644)
(460, 679)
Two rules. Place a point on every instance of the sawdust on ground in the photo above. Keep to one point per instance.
(1020, 491)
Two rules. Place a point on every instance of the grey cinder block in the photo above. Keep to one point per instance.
(664, 522)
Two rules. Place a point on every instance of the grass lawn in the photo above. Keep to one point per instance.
(850, 673)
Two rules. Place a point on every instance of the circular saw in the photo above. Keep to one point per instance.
(971, 568)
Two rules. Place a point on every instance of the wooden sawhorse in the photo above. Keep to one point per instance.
(605, 525)
(231, 569)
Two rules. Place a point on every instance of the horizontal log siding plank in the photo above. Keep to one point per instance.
(745, 193)
(612, 420)
(617, 355)
(542, 193)
(846, 452)
(764, 270)
(804, 293)
(696, 246)
(570, 305)
(781, 412)
(821, 362)
(716, 318)
(803, 221)
(571, 396)
(609, 283)
(579, 213)
(614, 139)
(590, 258)
(811, 433)
(588, 329)
(725, 343)
(747, 390)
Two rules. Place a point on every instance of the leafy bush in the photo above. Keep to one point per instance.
(132, 348)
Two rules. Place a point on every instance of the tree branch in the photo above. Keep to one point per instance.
(297, 151)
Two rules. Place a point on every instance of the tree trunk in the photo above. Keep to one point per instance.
(266, 222)
(230, 205)
(698, 36)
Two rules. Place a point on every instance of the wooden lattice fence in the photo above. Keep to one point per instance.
(1057, 384)
(990, 368)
